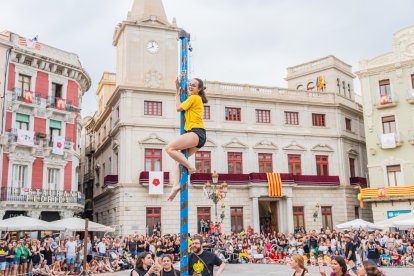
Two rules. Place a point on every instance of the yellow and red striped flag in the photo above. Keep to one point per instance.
(31, 43)
(275, 184)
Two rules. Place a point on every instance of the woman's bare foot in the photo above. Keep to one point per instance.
(174, 192)
(191, 170)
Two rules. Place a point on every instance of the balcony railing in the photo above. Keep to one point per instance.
(390, 140)
(40, 195)
(60, 104)
(90, 150)
(28, 97)
(88, 176)
(144, 177)
(110, 180)
(287, 178)
(358, 181)
(386, 100)
(13, 137)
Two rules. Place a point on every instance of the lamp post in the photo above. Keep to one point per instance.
(215, 192)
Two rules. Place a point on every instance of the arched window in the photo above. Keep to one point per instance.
(300, 87)
(338, 83)
(310, 86)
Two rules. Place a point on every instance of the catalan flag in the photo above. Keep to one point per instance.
(387, 192)
(275, 184)
(31, 43)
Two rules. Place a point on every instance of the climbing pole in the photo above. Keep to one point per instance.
(185, 47)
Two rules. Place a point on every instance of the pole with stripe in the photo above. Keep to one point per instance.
(185, 47)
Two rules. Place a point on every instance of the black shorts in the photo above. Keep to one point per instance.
(201, 133)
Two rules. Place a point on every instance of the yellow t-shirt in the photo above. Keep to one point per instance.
(194, 109)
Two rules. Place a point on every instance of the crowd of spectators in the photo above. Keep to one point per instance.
(65, 255)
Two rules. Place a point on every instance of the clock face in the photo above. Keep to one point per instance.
(153, 47)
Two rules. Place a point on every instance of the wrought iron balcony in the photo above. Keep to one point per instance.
(61, 104)
(88, 176)
(390, 140)
(28, 97)
(40, 195)
(386, 100)
(13, 138)
(90, 150)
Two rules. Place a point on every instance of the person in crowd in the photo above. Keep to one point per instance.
(145, 266)
(297, 263)
(202, 262)
(338, 265)
(369, 268)
(167, 266)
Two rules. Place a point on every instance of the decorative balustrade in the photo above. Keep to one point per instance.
(41, 195)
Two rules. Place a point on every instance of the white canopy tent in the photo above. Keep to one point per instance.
(78, 224)
(23, 223)
(359, 224)
(404, 224)
(388, 223)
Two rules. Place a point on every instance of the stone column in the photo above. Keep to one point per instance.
(34, 213)
(289, 215)
(255, 215)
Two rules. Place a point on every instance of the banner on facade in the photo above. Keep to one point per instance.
(25, 137)
(58, 142)
(156, 183)
(388, 141)
(274, 184)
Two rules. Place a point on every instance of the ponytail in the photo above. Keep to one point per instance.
(202, 92)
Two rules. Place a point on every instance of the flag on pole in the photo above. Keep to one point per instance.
(156, 183)
(58, 142)
(30, 43)
(275, 184)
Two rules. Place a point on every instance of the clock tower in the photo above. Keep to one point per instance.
(147, 47)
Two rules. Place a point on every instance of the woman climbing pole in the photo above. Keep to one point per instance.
(194, 137)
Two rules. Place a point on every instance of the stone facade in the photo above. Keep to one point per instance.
(388, 94)
(122, 130)
(44, 88)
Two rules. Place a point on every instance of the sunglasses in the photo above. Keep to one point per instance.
(192, 85)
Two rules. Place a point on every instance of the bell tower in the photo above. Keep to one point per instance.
(147, 47)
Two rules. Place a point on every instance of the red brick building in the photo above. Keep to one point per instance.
(40, 130)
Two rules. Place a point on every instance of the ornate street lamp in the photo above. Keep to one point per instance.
(216, 192)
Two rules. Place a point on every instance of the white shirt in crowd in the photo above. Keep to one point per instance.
(102, 247)
(71, 246)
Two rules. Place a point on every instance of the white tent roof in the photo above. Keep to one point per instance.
(357, 224)
(78, 224)
(405, 223)
(23, 223)
(390, 222)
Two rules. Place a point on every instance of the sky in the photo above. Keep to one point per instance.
(240, 41)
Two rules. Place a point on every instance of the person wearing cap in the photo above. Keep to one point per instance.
(350, 256)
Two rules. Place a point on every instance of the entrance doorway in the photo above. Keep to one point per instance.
(268, 211)
(153, 219)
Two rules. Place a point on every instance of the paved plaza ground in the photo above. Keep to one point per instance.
(282, 270)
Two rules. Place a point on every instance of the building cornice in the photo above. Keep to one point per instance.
(50, 65)
(276, 132)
